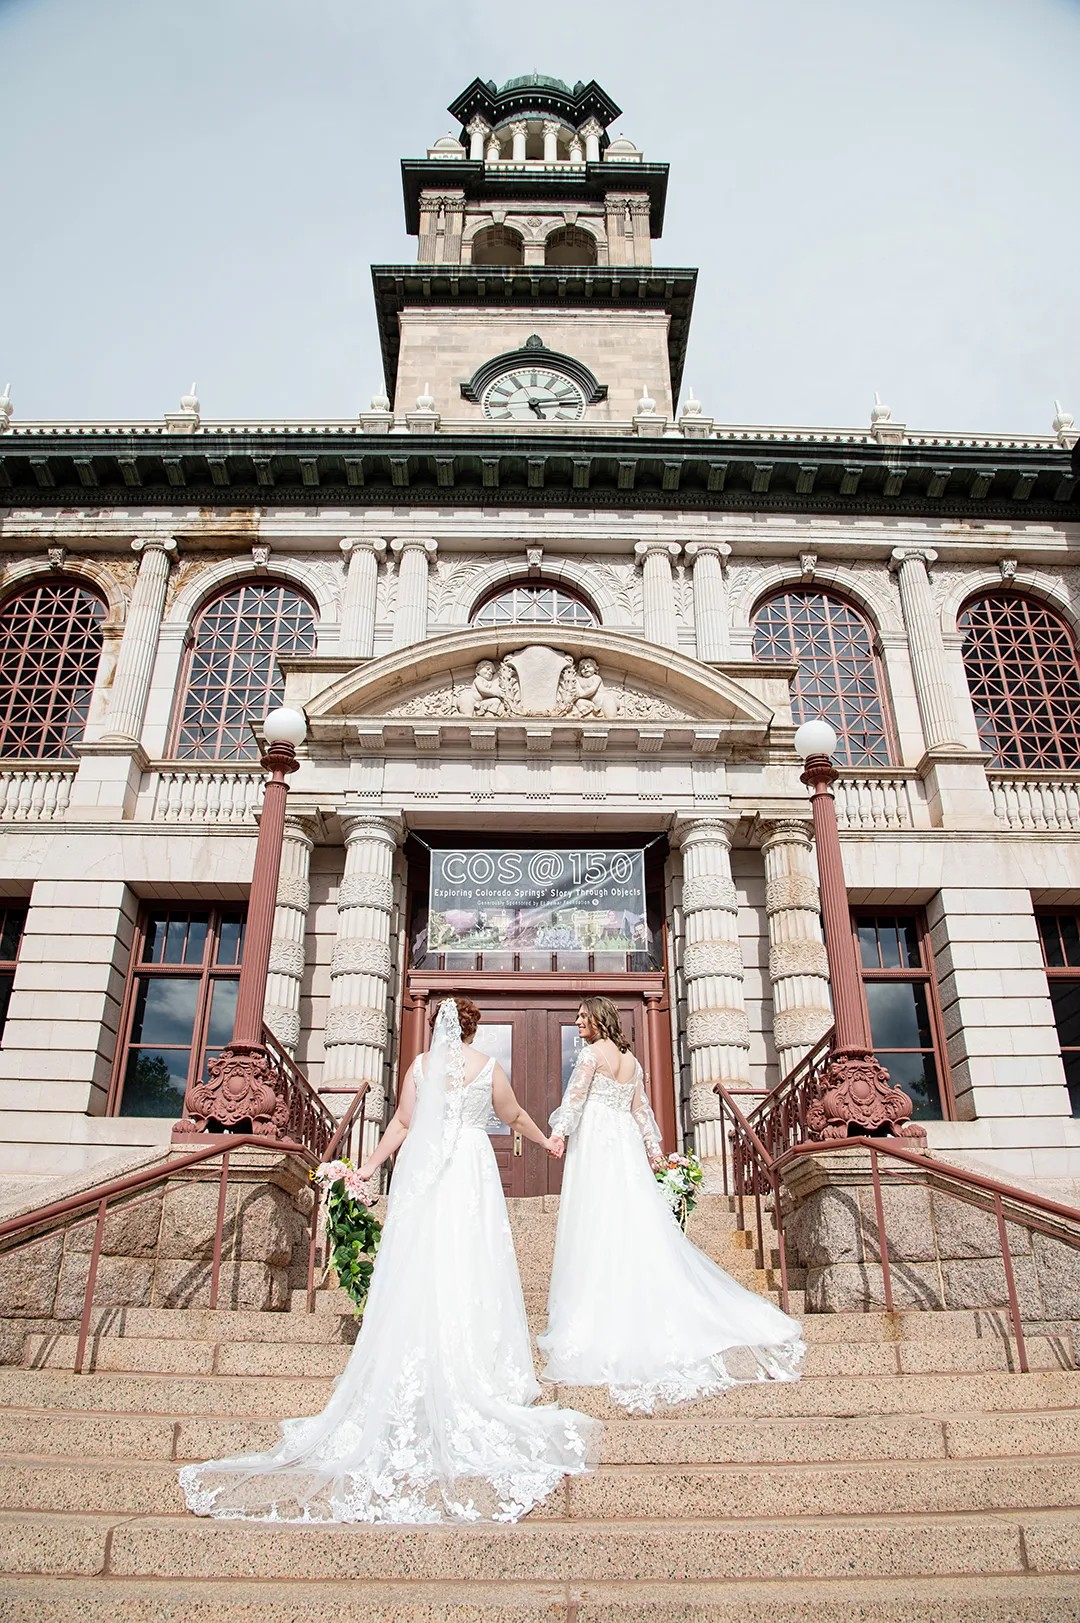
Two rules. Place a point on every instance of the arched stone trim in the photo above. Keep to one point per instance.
(87, 571)
(747, 596)
(312, 581)
(534, 352)
(463, 600)
(1025, 583)
(595, 228)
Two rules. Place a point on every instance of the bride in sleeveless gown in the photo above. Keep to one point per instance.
(431, 1420)
(633, 1305)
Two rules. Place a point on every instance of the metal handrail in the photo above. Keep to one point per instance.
(30, 1226)
(780, 1118)
(755, 1171)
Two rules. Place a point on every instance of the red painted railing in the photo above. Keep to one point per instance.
(345, 1138)
(309, 1121)
(780, 1119)
(755, 1173)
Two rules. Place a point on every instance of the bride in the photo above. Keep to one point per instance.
(430, 1420)
(633, 1305)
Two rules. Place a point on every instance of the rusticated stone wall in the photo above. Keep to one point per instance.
(157, 1251)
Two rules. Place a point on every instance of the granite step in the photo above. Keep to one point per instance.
(551, 1549)
(227, 1357)
(294, 1395)
(57, 1434)
(1026, 1598)
(616, 1493)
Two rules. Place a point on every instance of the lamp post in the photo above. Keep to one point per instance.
(241, 1085)
(855, 1095)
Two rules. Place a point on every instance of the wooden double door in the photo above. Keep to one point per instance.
(537, 1046)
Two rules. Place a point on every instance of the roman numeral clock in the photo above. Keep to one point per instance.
(533, 385)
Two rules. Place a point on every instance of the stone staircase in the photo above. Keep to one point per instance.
(910, 1475)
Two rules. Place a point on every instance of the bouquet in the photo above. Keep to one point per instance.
(352, 1230)
(680, 1177)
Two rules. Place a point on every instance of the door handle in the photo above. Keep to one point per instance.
(518, 1144)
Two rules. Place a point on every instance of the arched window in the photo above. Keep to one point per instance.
(839, 678)
(570, 245)
(1024, 679)
(50, 646)
(232, 672)
(498, 245)
(534, 604)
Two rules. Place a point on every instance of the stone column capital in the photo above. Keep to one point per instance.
(478, 126)
(370, 826)
(708, 549)
(301, 827)
(156, 543)
(362, 543)
(643, 550)
(902, 555)
(414, 543)
(551, 126)
(702, 831)
(785, 831)
(591, 126)
(518, 126)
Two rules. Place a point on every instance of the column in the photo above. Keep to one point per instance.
(615, 226)
(590, 132)
(138, 648)
(427, 251)
(281, 1010)
(551, 141)
(658, 589)
(717, 1030)
(798, 967)
(923, 629)
(518, 133)
(414, 554)
(360, 966)
(477, 129)
(641, 220)
(358, 604)
(710, 598)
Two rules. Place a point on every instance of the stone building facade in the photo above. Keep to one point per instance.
(534, 600)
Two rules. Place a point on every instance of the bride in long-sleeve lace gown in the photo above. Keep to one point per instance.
(431, 1420)
(633, 1305)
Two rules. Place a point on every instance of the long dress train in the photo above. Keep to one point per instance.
(430, 1420)
(633, 1305)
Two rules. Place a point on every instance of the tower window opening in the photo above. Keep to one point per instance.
(570, 245)
(498, 245)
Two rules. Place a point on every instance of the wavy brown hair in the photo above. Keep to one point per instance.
(605, 1017)
(467, 1012)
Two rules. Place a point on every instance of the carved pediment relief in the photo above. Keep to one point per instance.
(539, 681)
(503, 675)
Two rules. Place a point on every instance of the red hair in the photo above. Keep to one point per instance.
(467, 1012)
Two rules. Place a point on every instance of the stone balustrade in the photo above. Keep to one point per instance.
(1033, 801)
(880, 800)
(210, 794)
(29, 794)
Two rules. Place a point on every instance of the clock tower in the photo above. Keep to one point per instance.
(534, 303)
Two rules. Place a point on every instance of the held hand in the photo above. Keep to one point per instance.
(556, 1146)
(366, 1173)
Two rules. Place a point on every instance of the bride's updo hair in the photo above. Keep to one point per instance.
(605, 1017)
(467, 1012)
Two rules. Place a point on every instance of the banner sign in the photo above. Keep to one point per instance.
(518, 901)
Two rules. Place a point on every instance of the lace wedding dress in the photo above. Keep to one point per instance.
(430, 1420)
(633, 1305)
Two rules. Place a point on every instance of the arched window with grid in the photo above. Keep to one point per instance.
(232, 675)
(532, 603)
(50, 649)
(1024, 679)
(840, 676)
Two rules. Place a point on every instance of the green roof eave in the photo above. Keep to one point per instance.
(500, 184)
(533, 287)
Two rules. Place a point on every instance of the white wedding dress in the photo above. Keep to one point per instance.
(430, 1420)
(633, 1305)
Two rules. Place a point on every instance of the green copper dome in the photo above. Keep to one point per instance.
(536, 81)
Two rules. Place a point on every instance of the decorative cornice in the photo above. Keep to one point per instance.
(344, 467)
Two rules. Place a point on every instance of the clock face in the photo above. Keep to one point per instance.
(534, 395)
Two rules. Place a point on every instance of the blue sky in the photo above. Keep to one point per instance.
(879, 195)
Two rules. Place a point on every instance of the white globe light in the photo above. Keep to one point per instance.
(815, 738)
(285, 727)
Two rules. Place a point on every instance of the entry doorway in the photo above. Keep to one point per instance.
(536, 1043)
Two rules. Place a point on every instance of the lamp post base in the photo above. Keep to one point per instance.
(856, 1098)
(242, 1086)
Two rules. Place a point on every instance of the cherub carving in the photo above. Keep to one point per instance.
(487, 690)
(588, 690)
